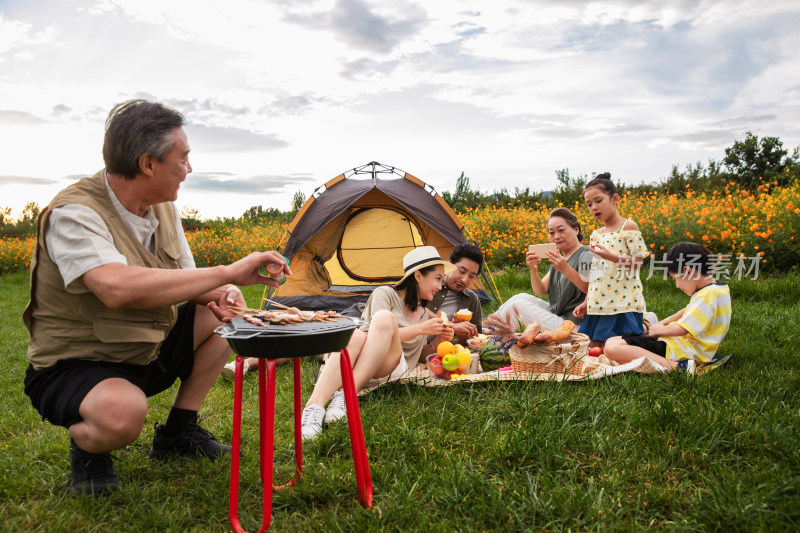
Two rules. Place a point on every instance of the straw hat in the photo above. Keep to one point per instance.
(422, 257)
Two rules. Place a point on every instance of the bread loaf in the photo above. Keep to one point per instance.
(527, 337)
(560, 334)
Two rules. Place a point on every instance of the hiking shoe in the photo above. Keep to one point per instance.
(92, 473)
(687, 365)
(229, 371)
(336, 409)
(193, 441)
(311, 422)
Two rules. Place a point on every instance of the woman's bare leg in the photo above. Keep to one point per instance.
(372, 356)
(381, 352)
(330, 380)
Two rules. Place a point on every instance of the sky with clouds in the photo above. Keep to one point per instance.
(282, 95)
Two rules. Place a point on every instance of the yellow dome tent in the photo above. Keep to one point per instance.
(352, 233)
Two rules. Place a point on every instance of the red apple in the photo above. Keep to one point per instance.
(596, 351)
(435, 364)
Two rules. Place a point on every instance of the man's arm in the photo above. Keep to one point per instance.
(79, 242)
(464, 330)
(216, 294)
(131, 287)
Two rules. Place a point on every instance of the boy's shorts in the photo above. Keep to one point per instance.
(57, 391)
(648, 343)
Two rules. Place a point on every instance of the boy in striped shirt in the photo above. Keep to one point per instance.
(690, 338)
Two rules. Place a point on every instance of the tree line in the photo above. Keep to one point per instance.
(23, 226)
(749, 163)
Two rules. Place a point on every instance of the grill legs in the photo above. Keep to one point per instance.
(266, 416)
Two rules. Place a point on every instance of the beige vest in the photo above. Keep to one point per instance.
(63, 326)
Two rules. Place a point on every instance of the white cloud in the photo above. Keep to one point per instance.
(25, 181)
(231, 140)
(15, 34)
(255, 185)
(508, 91)
(364, 26)
(19, 117)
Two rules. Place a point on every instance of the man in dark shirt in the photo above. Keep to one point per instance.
(455, 293)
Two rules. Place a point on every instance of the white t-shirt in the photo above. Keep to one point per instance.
(78, 240)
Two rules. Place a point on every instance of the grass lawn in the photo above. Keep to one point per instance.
(630, 452)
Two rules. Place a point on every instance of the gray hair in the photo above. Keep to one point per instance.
(135, 128)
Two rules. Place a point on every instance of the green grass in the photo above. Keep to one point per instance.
(631, 452)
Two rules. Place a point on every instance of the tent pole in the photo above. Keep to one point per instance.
(492, 286)
(486, 270)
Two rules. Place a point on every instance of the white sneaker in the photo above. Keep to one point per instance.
(336, 409)
(687, 365)
(311, 422)
(229, 371)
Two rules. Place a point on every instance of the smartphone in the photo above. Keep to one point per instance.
(542, 249)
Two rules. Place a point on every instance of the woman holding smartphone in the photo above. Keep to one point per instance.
(565, 283)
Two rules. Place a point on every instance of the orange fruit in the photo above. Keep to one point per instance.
(445, 348)
(464, 315)
(464, 359)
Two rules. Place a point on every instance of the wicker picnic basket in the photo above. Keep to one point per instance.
(553, 358)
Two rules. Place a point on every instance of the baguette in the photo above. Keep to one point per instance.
(531, 330)
(560, 334)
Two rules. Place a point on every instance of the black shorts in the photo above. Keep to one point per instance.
(57, 391)
(648, 343)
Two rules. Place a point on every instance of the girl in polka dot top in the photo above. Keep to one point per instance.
(614, 302)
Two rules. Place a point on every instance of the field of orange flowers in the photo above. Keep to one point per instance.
(217, 245)
(15, 254)
(226, 244)
(731, 222)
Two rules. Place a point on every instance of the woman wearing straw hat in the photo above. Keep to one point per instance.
(398, 327)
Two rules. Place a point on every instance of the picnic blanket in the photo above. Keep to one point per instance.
(593, 368)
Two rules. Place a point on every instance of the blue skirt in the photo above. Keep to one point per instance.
(603, 327)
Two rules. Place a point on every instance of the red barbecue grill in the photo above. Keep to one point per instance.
(291, 340)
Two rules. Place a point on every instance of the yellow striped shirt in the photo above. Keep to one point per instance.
(707, 318)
